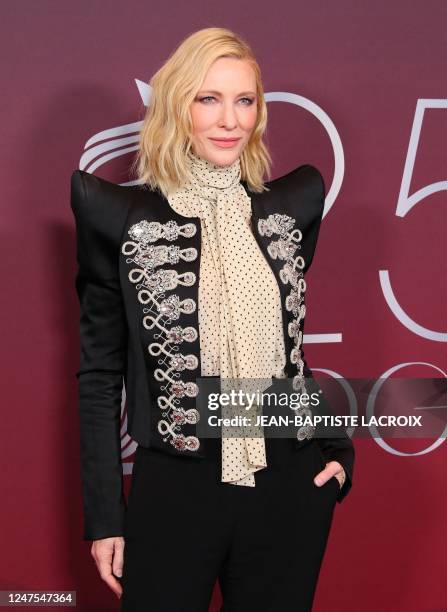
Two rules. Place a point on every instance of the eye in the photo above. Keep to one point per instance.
(245, 101)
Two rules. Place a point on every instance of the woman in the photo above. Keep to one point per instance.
(193, 276)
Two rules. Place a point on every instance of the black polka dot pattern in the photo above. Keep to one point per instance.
(240, 316)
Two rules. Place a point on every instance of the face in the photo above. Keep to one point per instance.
(224, 111)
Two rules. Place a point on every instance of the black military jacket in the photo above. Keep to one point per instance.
(137, 283)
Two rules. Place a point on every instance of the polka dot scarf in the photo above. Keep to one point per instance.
(240, 322)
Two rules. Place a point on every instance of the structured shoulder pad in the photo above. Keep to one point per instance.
(100, 209)
(98, 202)
(298, 198)
(304, 184)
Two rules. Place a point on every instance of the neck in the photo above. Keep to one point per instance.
(194, 157)
(209, 174)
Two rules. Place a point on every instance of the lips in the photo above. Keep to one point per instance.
(225, 143)
(225, 139)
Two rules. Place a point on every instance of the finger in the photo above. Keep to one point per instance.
(338, 472)
(322, 477)
(105, 571)
(114, 584)
(329, 471)
(104, 565)
(118, 557)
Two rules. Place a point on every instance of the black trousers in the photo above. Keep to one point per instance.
(185, 529)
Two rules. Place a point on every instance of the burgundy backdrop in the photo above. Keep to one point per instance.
(357, 89)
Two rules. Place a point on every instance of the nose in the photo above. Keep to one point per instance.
(228, 117)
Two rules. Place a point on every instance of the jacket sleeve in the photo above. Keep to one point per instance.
(339, 449)
(103, 348)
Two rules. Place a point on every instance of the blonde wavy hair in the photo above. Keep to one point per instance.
(165, 138)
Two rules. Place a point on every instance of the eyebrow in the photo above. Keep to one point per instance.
(213, 91)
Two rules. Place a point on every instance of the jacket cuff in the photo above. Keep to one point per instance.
(111, 526)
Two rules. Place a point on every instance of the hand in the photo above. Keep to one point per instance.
(333, 468)
(108, 554)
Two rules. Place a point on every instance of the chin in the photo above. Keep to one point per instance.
(222, 158)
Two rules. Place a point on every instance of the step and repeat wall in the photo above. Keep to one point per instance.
(356, 89)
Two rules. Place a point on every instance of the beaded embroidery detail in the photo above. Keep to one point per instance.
(160, 312)
(150, 231)
(284, 248)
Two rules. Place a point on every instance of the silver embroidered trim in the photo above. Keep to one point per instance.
(284, 248)
(150, 231)
(160, 311)
(149, 256)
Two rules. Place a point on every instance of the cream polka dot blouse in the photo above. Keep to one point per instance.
(240, 316)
